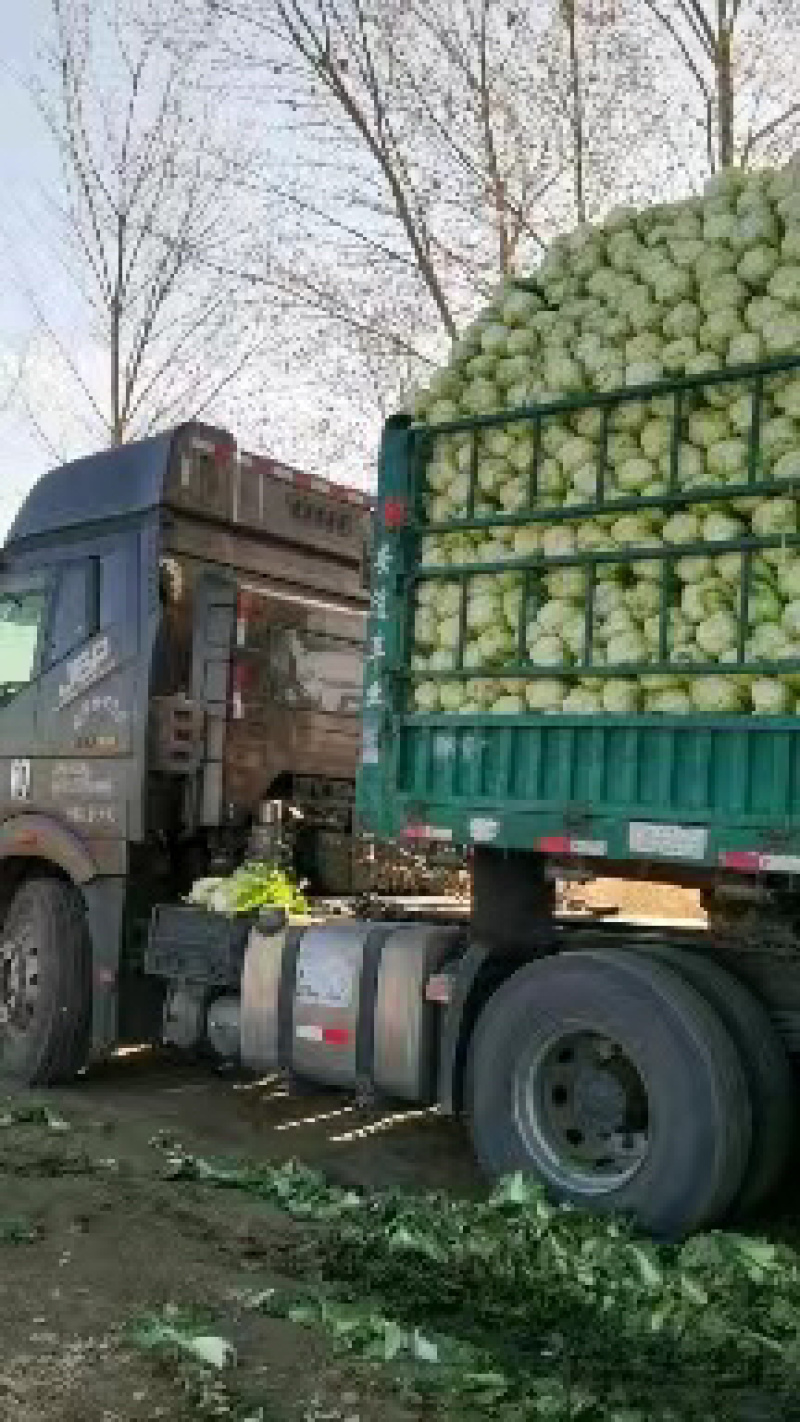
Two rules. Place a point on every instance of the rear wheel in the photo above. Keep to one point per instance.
(766, 1064)
(615, 1082)
(45, 984)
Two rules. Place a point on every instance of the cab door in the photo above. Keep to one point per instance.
(24, 605)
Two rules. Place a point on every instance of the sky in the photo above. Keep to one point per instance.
(283, 412)
(28, 168)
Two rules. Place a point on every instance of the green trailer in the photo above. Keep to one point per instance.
(702, 793)
(636, 1067)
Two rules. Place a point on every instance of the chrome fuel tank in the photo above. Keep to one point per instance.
(344, 1004)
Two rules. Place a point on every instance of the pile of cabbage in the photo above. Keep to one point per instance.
(251, 887)
(683, 289)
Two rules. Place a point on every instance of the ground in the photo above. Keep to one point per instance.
(637, 899)
(92, 1237)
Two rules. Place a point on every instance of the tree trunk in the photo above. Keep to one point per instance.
(117, 415)
(724, 76)
(117, 432)
(496, 177)
(570, 21)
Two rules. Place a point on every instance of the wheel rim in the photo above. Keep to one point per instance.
(581, 1108)
(19, 979)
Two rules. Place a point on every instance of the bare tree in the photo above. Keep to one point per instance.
(412, 155)
(734, 54)
(339, 47)
(430, 129)
(144, 206)
(467, 73)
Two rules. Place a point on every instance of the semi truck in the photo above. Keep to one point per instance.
(181, 649)
(640, 1068)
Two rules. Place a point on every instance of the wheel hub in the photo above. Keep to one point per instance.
(19, 980)
(581, 1108)
(598, 1101)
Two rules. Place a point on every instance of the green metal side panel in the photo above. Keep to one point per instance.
(699, 790)
(608, 786)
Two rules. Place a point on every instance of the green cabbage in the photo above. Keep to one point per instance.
(682, 288)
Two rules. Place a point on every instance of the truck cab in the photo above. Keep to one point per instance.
(181, 631)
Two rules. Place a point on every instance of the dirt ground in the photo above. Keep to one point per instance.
(93, 1237)
(636, 899)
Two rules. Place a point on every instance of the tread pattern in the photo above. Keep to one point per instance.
(56, 1045)
(766, 1063)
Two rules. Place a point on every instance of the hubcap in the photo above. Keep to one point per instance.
(581, 1108)
(19, 980)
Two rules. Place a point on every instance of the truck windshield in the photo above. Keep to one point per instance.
(21, 619)
(314, 670)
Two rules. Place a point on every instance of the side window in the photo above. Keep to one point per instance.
(113, 589)
(22, 615)
(74, 619)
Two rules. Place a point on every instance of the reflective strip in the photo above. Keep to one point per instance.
(336, 1036)
(330, 1036)
(780, 863)
(751, 861)
(748, 860)
(594, 848)
(308, 1034)
(559, 844)
(417, 831)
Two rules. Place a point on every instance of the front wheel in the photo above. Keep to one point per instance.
(614, 1082)
(45, 984)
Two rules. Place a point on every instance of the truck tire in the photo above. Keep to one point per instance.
(767, 1069)
(45, 984)
(615, 1082)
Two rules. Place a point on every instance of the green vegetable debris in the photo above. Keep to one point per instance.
(169, 1332)
(18, 1231)
(516, 1308)
(251, 887)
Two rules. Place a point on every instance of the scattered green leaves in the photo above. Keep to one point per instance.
(551, 1312)
(18, 1231)
(173, 1333)
(15, 1113)
(302, 1192)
